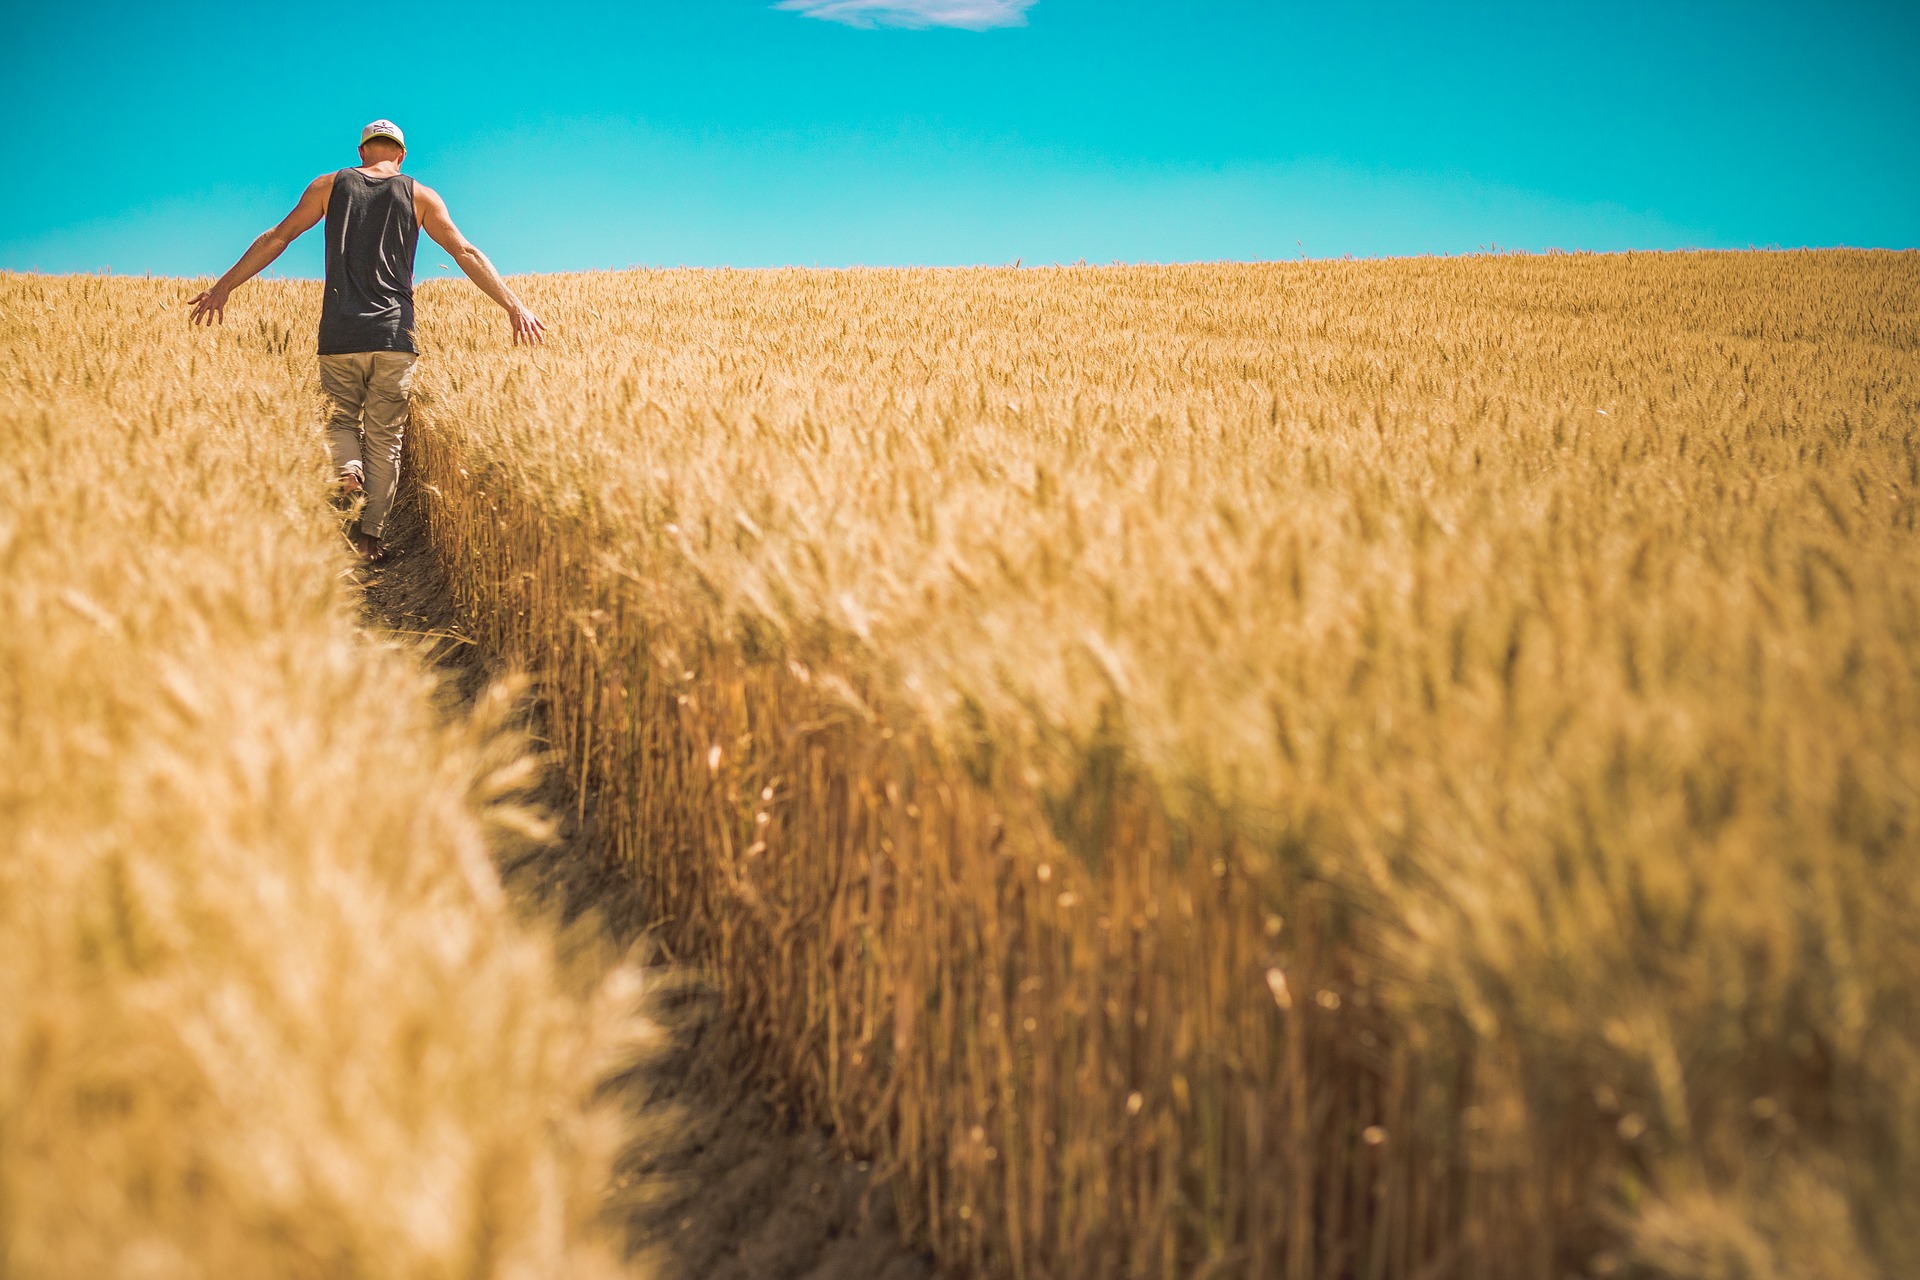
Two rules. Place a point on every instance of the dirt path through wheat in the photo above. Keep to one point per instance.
(721, 1184)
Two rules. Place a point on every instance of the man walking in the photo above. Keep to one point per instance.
(374, 217)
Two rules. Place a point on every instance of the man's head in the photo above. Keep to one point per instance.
(382, 140)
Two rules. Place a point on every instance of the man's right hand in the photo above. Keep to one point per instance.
(526, 327)
(209, 307)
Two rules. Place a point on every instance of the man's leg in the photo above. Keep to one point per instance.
(388, 392)
(344, 380)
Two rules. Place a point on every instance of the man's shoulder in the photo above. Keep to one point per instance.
(426, 198)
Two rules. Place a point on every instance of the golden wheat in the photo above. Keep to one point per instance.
(263, 1009)
(1376, 769)
(1329, 769)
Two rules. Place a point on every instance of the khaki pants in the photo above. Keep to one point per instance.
(369, 391)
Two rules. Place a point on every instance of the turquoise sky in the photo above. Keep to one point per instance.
(162, 137)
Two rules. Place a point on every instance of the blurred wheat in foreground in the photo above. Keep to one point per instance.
(263, 1010)
(1394, 769)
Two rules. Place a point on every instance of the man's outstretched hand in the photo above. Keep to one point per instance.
(209, 307)
(526, 327)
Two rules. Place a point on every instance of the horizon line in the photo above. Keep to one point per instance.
(107, 272)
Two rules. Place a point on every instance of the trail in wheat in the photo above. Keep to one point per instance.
(719, 1181)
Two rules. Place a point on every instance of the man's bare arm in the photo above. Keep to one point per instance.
(211, 305)
(436, 222)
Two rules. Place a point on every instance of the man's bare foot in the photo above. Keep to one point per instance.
(346, 487)
(372, 550)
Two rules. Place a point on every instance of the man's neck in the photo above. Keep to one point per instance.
(381, 168)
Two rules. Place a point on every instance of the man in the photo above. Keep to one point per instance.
(374, 217)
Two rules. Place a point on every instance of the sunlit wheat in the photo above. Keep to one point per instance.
(1381, 769)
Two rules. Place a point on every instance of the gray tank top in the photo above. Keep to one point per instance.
(371, 235)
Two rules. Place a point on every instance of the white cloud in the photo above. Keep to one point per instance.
(974, 15)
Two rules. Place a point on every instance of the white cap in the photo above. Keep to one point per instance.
(383, 129)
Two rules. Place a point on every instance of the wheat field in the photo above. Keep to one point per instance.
(264, 1009)
(1374, 769)
(1397, 769)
